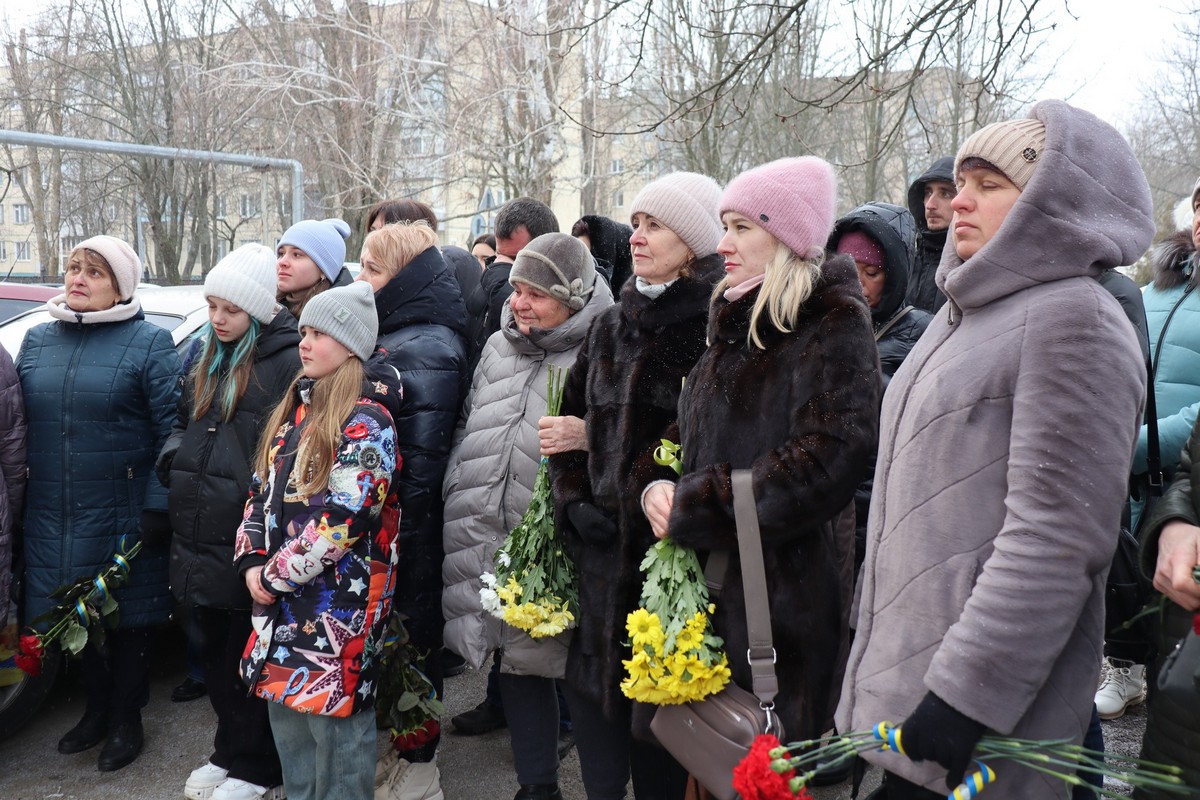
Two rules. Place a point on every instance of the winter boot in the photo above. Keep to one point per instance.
(1123, 687)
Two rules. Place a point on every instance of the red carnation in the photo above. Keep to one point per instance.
(1196, 623)
(755, 780)
(29, 658)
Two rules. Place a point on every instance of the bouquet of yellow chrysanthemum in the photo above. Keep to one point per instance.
(534, 586)
(676, 656)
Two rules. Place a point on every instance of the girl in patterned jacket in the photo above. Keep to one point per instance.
(317, 551)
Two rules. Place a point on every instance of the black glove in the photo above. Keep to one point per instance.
(937, 732)
(154, 527)
(593, 525)
(162, 468)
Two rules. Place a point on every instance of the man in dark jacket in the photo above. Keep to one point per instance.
(929, 201)
(518, 222)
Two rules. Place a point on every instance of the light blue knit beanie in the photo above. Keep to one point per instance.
(324, 241)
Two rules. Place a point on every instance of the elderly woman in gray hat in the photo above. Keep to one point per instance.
(490, 479)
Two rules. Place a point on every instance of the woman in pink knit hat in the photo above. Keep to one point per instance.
(789, 389)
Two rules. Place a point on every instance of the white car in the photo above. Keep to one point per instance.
(182, 310)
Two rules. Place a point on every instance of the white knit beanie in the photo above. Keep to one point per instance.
(122, 260)
(347, 313)
(685, 202)
(246, 278)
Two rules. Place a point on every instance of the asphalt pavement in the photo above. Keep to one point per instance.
(179, 738)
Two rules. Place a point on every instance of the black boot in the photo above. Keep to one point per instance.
(90, 732)
(539, 791)
(122, 747)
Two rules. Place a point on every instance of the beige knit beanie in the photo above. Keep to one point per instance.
(686, 202)
(1013, 146)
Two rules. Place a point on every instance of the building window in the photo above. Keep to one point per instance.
(248, 207)
(616, 166)
(3, 251)
(23, 252)
(1, 214)
(618, 200)
(222, 249)
(20, 214)
(219, 207)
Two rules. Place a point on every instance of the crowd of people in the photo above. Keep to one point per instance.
(940, 407)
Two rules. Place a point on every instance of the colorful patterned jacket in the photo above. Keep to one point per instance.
(330, 559)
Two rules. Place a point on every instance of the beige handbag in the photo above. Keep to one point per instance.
(711, 737)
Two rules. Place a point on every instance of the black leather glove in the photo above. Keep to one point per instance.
(154, 527)
(593, 525)
(937, 732)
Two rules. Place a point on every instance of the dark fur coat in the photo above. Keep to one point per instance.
(627, 380)
(803, 416)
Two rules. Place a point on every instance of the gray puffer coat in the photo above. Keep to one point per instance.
(1004, 452)
(489, 482)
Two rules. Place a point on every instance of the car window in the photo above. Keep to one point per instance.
(11, 307)
(165, 321)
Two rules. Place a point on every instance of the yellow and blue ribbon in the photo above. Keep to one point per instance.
(889, 738)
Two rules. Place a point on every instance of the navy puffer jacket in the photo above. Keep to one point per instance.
(421, 322)
(209, 463)
(100, 399)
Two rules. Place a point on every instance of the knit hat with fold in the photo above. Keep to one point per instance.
(346, 313)
(246, 278)
(1013, 146)
(861, 247)
(122, 260)
(794, 199)
(686, 202)
(559, 265)
(324, 241)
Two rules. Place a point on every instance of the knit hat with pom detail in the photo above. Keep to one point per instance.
(246, 278)
(122, 260)
(347, 313)
(324, 241)
(686, 202)
(558, 265)
(1014, 147)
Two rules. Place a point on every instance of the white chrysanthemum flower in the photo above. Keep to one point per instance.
(503, 558)
(491, 602)
(488, 580)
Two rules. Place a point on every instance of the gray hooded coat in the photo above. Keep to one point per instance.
(1003, 458)
(489, 482)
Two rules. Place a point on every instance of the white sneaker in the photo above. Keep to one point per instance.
(1123, 687)
(415, 781)
(237, 789)
(203, 780)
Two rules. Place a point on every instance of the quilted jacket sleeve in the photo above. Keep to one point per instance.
(12, 467)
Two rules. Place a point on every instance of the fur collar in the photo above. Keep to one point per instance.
(1172, 262)
(684, 299)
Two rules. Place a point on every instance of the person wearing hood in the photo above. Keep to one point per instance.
(310, 260)
(239, 371)
(421, 324)
(929, 199)
(1003, 462)
(100, 386)
(609, 242)
(627, 381)
(317, 551)
(490, 480)
(880, 238)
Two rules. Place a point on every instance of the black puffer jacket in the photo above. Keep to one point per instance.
(897, 325)
(922, 291)
(421, 324)
(610, 244)
(626, 380)
(894, 230)
(465, 268)
(207, 466)
(484, 307)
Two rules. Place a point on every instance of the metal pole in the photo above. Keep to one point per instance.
(155, 151)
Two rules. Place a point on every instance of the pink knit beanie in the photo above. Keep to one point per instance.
(792, 198)
(861, 247)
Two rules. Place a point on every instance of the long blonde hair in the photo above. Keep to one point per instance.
(788, 282)
(332, 402)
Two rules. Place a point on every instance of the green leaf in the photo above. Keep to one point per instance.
(108, 606)
(75, 638)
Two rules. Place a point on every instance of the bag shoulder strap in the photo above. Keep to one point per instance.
(891, 323)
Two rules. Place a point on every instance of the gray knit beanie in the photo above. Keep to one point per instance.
(687, 204)
(558, 265)
(246, 278)
(347, 313)
(324, 241)
(1014, 147)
